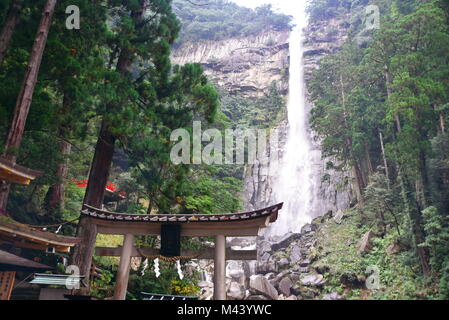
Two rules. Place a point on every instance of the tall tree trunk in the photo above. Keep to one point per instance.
(26, 94)
(423, 180)
(358, 174)
(99, 174)
(56, 193)
(369, 164)
(8, 28)
(100, 169)
(54, 199)
(98, 178)
(359, 182)
(442, 123)
(414, 211)
(384, 157)
(389, 92)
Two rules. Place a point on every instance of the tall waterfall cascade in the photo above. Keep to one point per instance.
(296, 176)
(297, 179)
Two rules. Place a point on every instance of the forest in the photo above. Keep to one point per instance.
(389, 96)
(93, 109)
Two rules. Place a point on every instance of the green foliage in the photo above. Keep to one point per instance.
(250, 112)
(220, 19)
(203, 196)
(394, 87)
(437, 239)
(167, 283)
(184, 288)
(327, 9)
(103, 286)
(337, 246)
(380, 200)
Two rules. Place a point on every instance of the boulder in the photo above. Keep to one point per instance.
(261, 285)
(285, 241)
(314, 280)
(267, 267)
(265, 257)
(285, 286)
(395, 248)
(295, 254)
(333, 296)
(307, 229)
(352, 280)
(305, 263)
(295, 276)
(235, 270)
(282, 275)
(236, 291)
(283, 263)
(365, 243)
(292, 298)
(296, 289)
(338, 217)
(264, 247)
(270, 276)
(306, 293)
(303, 269)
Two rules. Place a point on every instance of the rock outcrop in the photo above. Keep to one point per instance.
(245, 66)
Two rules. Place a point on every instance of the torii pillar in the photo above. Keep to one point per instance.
(220, 268)
(121, 284)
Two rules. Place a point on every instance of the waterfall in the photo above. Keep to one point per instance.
(295, 181)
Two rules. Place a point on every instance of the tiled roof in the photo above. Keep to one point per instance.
(18, 233)
(15, 173)
(11, 262)
(271, 212)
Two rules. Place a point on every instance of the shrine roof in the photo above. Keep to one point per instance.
(24, 236)
(11, 262)
(14, 173)
(270, 212)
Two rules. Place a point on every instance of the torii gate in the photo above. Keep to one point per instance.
(220, 226)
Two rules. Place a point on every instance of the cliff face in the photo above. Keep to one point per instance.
(323, 38)
(241, 66)
(246, 67)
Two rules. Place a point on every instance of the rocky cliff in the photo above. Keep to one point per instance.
(244, 66)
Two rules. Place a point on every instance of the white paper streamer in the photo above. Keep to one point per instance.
(178, 266)
(145, 267)
(156, 268)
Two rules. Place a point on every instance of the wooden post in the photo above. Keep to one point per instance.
(219, 268)
(123, 271)
(6, 284)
